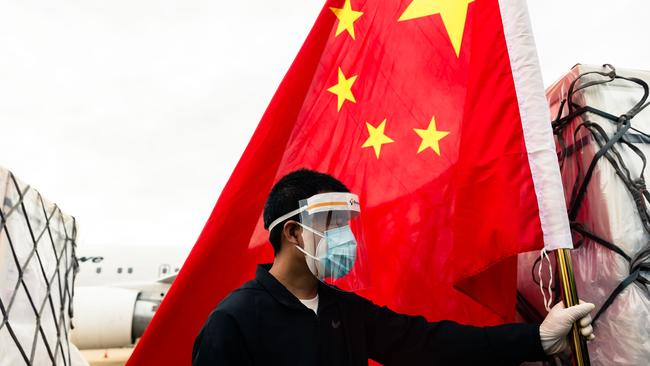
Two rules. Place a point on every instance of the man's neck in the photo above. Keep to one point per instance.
(295, 277)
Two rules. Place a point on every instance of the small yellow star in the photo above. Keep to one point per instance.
(430, 137)
(343, 89)
(377, 137)
(453, 13)
(347, 17)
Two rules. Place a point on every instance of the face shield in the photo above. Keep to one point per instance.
(333, 240)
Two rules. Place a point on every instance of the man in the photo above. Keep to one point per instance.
(288, 315)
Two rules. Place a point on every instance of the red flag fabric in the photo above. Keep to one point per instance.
(433, 112)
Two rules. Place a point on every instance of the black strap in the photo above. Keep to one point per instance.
(580, 228)
(579, 193)
(621, 286)
(609, 147)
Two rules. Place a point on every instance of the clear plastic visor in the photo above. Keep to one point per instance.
(333, 240)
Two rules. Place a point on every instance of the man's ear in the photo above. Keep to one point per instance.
(292, 232)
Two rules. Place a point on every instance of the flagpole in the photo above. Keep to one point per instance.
(570, 298)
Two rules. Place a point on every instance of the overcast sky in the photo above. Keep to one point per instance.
(131, 115)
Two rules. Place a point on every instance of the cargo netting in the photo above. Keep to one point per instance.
(602, 130)
(37, 272)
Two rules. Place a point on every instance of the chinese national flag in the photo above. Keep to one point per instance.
(433, 112)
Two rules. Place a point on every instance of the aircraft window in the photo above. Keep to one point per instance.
(130, 270)
(175, 269)
(163, 270)
(119, 269)
(99, 270)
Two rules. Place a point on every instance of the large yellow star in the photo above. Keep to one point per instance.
(430, 137)
(453, 13)
(347, 17)
(343, 89)
(377, 137)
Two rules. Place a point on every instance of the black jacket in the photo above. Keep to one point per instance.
(262, 323)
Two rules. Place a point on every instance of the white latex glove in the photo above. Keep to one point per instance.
(556, 326)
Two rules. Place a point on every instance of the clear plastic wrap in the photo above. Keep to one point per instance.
(608, 210)
(37, 268)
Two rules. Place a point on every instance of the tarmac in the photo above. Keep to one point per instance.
(107, 357)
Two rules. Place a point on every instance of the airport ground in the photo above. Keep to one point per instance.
(107, 357)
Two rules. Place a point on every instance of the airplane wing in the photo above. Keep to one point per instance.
(167, 279)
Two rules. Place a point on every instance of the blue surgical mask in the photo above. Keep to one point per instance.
(335, 254)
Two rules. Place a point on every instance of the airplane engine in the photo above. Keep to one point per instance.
(108, 317)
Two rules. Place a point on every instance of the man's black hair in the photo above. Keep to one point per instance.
(287, 193)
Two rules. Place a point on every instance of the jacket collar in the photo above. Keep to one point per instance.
(284, 296)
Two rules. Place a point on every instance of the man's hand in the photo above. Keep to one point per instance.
(557, 324)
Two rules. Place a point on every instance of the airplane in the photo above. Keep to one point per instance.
(117, 291)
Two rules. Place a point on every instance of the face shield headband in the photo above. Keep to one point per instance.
(324, 202)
